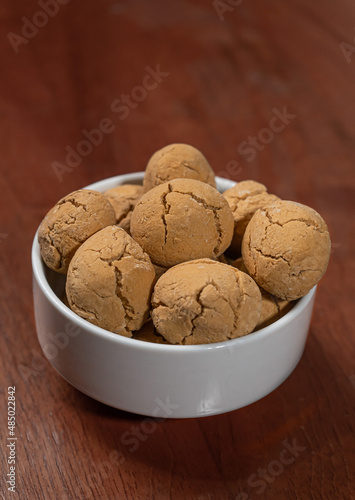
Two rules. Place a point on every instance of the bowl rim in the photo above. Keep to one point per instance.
(38, 268)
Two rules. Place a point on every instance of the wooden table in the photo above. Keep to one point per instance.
(219, 72)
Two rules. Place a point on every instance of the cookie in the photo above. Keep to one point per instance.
(69, 223)
(123, 199)
(204, 301)
(110, 280)
(177, 161)
(286, 249)
(182, 220)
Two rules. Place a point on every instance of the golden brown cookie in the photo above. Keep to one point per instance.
(69, 223)
(110, 280)
(204, 301)
(245, 198)
(182, 220)
(123, 199)
(286, 249)
(177, 161)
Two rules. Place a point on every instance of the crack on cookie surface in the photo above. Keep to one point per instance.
(126, 251)
(308, 222)
(74, 202)
(187, 165)
(272, 257)
(216, 250)
(128, 310)
(236, 308)
(86, 312)
(199, 200)
(49, 237)
(166, 207)
(236, 199)
(198, 315)
(297, 275)
(251, 254)
(116, 306)
(158, 177)
(203, 307)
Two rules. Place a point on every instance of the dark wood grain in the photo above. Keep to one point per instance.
(225, 79)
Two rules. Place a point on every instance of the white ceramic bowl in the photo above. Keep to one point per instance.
(165, 381)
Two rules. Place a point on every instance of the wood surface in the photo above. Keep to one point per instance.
(225, 80)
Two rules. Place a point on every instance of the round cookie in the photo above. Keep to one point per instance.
(204, 301)
(123, 199)
(110, 280)
(245, 198)
(286, 249)
(182, 220)
(177, 161)
(71, 221)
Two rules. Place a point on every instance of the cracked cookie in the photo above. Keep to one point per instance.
(69, 223)
(244, 199)
(286, 249)
(123, 199)
(204, 301)
(110, 280)
(181, 220)
(177, 161)
(272, 308)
